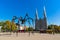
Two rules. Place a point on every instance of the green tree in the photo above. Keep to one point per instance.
(13, 26)
(8, 26)
(56, 27)
(30, 29)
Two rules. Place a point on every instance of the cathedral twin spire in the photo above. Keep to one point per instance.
(44, 11)
(41, 23)
(37, 15)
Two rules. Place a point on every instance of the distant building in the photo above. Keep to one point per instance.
(41, 24)
(21, 27)
(0, 28)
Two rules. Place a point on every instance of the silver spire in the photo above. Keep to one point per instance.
(37, 15)
(45, 12)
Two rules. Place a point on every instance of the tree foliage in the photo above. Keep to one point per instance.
(56, 27)
(8, 26)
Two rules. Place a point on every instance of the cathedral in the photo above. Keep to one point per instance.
(41, 24)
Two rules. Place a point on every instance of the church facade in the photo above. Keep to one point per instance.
(41, 24)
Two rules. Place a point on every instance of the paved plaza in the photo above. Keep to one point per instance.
(26, 36)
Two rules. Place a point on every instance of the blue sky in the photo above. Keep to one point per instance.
(10, 8)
